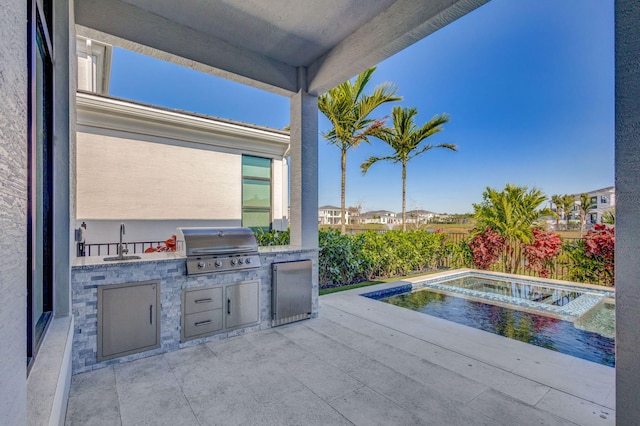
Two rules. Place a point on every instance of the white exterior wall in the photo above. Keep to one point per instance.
(157, 170)
(127, 179)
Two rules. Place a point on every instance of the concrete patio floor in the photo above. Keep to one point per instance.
(361, 362)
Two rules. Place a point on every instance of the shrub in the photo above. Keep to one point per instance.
(540, 254)
(273, 237)
(487, 248)
(592, 258)
(341, 260)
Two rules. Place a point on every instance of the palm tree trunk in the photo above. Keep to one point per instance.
(404, 196)
(343, 228)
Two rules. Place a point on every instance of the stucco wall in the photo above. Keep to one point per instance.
(627, 158)
(121, 179)
(13, 207)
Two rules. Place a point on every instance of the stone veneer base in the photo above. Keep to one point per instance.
(173, 279)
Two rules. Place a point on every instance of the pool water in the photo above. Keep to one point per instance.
(544, 331)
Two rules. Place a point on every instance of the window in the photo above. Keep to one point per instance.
(594, 202)
(593, 218)
(256, 192)
(603, 199)
(40, 177)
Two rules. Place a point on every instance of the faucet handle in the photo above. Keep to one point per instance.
(124, 249)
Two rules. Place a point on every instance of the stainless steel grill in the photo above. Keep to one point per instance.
(211, 250)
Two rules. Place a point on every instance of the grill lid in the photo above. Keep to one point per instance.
(215, 241)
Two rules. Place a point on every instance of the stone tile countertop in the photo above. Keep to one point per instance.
(90, 261)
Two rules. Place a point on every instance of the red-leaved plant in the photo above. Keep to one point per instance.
(539, 254)
(487, 248)
(599, 243)
(169, 245)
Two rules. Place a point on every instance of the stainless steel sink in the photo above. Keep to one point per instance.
(122, 249)
(113, 259)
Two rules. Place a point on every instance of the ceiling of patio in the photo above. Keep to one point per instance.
(262, 43)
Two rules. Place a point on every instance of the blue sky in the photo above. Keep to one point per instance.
(529, 86)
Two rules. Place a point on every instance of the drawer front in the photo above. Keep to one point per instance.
(202, 323)
(202, 300)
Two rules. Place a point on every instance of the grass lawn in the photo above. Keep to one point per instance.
(330, 290)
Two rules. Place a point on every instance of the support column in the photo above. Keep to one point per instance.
(303, 167)
(627, 165)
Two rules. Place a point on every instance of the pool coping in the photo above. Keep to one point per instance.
(578, 377)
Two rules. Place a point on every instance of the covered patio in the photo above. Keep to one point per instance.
(355, 363)
(360, 362)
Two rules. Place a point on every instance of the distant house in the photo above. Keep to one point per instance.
(602, 201)
(385, 217)
(418, 216)
(331, 215)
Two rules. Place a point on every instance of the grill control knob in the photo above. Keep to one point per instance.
(240, 260)
(247, 260)
(201, 265)
(218, 263)
(234, 262)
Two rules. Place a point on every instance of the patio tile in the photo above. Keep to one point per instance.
(300, 408)
(104, 378)
(414, 397)
(443, 380)
(324, 380)
(521, 388)
(145, 370)
(236, 350)
(88, 407)
(610, 402)
(219, 400)
(509, 411)
(572, 375)
(159, 402)
(341, 356)
(366, 407)
(268, 381)
(576, 410)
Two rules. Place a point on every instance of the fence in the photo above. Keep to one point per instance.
(107, 249)
(558, 269)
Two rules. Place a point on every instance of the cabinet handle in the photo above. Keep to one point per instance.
(198, 324)
(228, 306)
(151, 314)
(204, 300)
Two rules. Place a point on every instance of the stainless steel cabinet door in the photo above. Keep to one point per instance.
(242, 304)
(128, 319)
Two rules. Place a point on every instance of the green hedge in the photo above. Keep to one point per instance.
(348, 259)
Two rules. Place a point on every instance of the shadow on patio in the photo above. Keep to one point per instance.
(361, 362)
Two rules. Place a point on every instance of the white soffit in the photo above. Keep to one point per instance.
(261, 43)
(99, 112)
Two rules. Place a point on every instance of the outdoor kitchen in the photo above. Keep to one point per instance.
(217, 284)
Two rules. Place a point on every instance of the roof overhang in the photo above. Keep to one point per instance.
(264, 43)
(104, 114)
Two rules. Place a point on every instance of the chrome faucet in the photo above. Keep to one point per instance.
(122, 248)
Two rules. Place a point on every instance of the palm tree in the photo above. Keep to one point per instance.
(585, 206)
(512, 213)
(348, 108)
(557, 201)
(568, 203)
(609, 217)
(405, 139)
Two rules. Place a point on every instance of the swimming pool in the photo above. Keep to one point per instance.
(571, 319)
